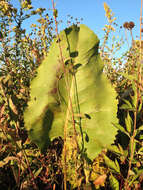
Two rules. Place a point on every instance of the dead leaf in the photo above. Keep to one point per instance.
(100, 180)
(12, 106)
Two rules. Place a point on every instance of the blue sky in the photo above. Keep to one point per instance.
(92, 12)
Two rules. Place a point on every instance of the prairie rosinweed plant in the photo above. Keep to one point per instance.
(61, 101)
(22, 165)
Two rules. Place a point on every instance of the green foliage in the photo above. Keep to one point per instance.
(114, 182)
(113, 166)
(83, 82)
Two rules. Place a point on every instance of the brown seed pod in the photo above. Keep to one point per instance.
(142, 30)
(131, 25)
(126, 25)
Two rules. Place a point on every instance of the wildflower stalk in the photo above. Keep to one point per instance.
(138, 92)
(70, 107)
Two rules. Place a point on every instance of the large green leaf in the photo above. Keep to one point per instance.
(93, 99)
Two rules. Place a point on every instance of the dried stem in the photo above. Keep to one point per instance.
(126, 37)
(70, 107)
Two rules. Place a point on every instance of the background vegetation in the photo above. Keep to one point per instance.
(22, 165)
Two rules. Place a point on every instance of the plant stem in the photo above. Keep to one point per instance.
(132, 140)
(126, 37)
(70, 107)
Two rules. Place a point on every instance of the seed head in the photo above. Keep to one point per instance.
(126, 25)
(131, 25)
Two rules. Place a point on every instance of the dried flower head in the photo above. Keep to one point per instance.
(142, 30)
(126, 25)
(131, 25)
